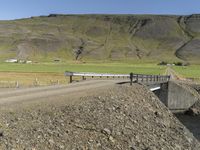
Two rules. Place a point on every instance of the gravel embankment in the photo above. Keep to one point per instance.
(118, 118)
(195, 109)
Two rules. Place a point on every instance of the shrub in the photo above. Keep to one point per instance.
(163, 63)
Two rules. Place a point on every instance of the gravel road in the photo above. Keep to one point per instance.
(41, 93)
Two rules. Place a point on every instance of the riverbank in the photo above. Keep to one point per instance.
(190, 122)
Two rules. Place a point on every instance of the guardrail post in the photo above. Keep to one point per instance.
(137, 78)
(157, 77)
(169, 78)
(142, 78)
(70, 79)
(147, 78)
(131, 78)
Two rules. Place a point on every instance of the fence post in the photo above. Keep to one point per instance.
(131, 78)
(36, 82)
(17, 84)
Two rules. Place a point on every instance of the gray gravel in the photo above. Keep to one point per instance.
(117, 118)
(195, 109)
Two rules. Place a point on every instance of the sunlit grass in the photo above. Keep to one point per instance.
(192, 71)
(45, 73)
(87, 67)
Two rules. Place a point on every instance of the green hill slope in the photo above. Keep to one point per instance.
(102, 37)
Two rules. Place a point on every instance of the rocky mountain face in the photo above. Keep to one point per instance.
(102, 37)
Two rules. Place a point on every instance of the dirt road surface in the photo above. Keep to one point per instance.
(174, 75)
(45, 93)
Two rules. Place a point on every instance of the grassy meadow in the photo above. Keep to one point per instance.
(51, 73)
(82, 67)
(192, 71)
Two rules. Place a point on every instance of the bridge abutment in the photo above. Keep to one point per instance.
(177, 96)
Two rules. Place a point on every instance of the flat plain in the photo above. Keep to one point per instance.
(52, 73)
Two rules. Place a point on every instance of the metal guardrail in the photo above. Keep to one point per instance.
(131, 76)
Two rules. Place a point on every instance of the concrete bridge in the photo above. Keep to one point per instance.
(175, 95)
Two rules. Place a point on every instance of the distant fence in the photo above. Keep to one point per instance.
(132, 77)
(9, 84)
(34, 83)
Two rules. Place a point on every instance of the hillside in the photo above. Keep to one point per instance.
(102, 37)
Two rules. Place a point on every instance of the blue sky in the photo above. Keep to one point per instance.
(13, 9)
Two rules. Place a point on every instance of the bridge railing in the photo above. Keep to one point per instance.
(133, 77)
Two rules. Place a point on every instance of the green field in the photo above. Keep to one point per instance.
(89, 67)
(192, 71)
(45, 73)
